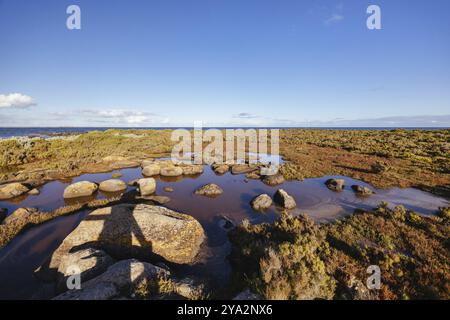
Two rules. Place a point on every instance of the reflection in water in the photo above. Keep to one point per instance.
(30, 249)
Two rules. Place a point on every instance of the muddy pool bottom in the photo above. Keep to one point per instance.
(34, 246)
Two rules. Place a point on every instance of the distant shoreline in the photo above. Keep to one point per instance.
(9, 132)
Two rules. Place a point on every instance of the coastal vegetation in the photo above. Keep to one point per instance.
(291, 258)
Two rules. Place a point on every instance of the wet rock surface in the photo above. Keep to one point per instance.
(12, 190)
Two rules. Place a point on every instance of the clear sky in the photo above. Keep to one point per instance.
(224, 62)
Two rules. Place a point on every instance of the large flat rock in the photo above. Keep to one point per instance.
(126, 230)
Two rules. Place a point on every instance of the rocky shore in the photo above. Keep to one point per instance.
(130, 246)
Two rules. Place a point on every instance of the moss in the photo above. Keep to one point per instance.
(295, 259)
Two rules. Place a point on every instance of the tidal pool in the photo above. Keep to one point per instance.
(31, 248)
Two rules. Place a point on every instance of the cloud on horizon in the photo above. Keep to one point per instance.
(16, 100)
(113, 117)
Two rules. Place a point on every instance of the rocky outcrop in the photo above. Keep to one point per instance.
(209, 190)
(127, 230)
(146, 186)
(273, 180)
(80, 189)
(112, 185)
(335, 184)
(171, 171)
(21, 214)
(151, 170)
(261, 202)
(284, 200)
(362, 190)
(89, 263)
(12, 190)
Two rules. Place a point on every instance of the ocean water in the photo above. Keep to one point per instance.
(50, 131)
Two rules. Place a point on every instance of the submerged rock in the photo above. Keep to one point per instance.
(147, 186)
(19, 214)
(335, 184)
(168, 189)
(274, 180)
(171, 171)
(126, 230)
(12, 190)
(88, 262)
(261, 202)
(112, 185)
(152, 169)
(80, 189)
(209, 190)
(284, 200)
(226, 223)
(361, 190)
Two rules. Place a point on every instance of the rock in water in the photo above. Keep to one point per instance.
(361, 190)
(34, 192)
(168, 189)
(12, 190)
(209, 190)
(147, 186)
(151, 170)
(284, 200)
(261, 202)
(220, 168)
(112, 185)
(171, 171)
(274, 180)
(126, 230)
(89, 263)
(192, 169)
(335, 184)
(80, 189)
(243, 168)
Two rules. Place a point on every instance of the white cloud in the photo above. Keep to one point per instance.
(335, 17)
(16, 100)
(115, 117)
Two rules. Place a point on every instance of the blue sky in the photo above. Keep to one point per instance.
(224, 62)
